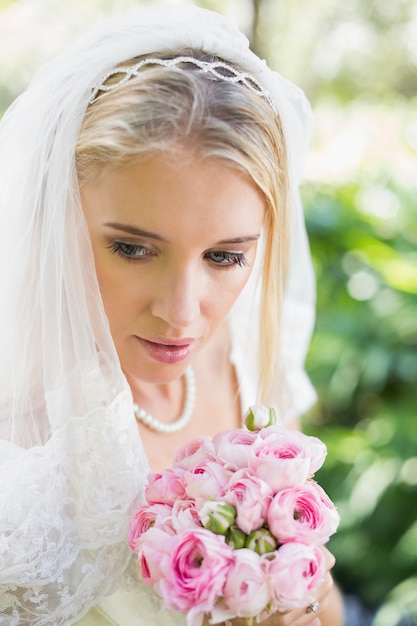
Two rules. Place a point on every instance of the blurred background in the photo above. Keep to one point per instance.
(357, 62)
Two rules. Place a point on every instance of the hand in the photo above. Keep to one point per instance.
(300, 617)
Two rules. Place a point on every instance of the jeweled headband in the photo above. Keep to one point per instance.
(215, 70)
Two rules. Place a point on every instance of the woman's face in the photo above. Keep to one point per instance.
(174, 239)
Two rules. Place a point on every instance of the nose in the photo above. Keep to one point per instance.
(177, 297)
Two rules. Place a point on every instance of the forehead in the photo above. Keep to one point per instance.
(173, 188)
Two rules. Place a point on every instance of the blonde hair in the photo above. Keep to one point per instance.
(165, 110)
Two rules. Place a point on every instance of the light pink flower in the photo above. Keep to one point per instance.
(199, 565)
(146, 517)
(194, 452)
(205, 482)
(302, 514)
(247, 591)
(232, 447)
(154, 548)
(316, 449)
(251, 498)
(185, 515)
(294, 572)
(285, 458)
(165, 488)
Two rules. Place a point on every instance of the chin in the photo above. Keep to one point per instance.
(156, 373)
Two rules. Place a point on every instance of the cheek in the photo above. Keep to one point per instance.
(221, 297)
(116, 291)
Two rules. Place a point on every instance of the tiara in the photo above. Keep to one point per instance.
(215, 70)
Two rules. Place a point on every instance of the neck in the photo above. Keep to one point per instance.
(162, 400)
(182, 420)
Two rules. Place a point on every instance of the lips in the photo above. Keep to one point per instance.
(167, 350)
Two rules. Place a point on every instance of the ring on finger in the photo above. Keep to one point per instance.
(313, 607)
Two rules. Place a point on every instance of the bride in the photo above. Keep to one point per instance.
(156, 281)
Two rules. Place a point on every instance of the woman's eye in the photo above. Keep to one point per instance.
(227, 259)
(129, 250)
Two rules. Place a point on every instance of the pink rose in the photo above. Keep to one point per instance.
(205, 482)
(302, 514)
(146, 517)
(199, 565)
(294, 572)
(247, 591)
(185, 515)
(154, 548)
(232, 448)
(285, 458)
(194, 452)
(315, 448)
(165, 488)
(251, 497)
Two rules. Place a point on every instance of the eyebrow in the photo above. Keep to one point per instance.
(240, 239)
(132, 230)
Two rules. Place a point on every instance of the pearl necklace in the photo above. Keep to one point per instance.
(172, 427)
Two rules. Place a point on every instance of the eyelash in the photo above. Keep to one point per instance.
(233, 259)
(128, 252)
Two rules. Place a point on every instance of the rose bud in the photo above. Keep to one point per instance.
(217, 516)
(259, 416)
(261, 541)
(235, 538)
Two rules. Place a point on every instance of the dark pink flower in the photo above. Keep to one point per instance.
(199, 564)
(302, 514)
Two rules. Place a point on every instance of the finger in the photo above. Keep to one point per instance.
(297, 617)
(322, 592)
(330, 559)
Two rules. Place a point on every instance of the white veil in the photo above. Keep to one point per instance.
(71, 461)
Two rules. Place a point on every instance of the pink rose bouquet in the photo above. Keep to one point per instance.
(235, 527)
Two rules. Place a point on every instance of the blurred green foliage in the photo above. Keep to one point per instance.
(363, 362)
(362, 223)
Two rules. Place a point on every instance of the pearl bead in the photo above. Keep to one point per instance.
(172, 427)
